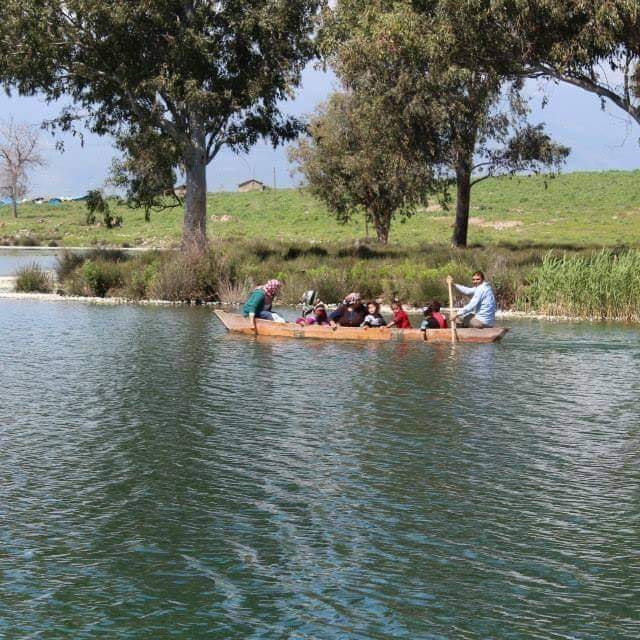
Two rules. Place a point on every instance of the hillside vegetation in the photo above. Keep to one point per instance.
(579, 210)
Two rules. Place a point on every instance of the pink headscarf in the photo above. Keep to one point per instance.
(272, 287)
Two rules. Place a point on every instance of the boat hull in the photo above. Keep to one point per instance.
(236, 323)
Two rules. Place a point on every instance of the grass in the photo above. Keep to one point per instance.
(604, 284)
(579, 283)
(575, 210)
(33, 279)
(601, 285)
(566, 246)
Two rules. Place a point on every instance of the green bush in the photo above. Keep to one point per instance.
(97, 204)
(101, 277)
(138, 273)
(577, 283)
(184, 277)
(107, 255)
(33, 279)
(26, 241)
(66, 264)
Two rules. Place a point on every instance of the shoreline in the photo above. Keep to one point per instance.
(54, 297)
(57, 249)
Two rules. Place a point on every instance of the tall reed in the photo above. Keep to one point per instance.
(600, 285)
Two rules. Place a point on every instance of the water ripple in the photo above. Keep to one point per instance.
(162, 479)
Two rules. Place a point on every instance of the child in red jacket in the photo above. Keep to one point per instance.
(400, 317)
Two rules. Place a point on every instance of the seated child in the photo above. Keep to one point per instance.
(317, 316)
(373, 317)
(400, 317)
(436, 306)
(429, 321)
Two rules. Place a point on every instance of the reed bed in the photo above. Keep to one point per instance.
(603, 285)
(580, 283)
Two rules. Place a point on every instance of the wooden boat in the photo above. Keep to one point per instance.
(236, 323)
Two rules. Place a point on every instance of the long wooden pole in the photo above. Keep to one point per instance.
(454, 335)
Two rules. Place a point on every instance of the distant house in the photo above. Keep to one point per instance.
(180, 191)
(251, 185)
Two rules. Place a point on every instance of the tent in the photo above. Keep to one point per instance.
(6, 202)
(54, 201)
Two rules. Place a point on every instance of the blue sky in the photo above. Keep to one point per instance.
(599, 140)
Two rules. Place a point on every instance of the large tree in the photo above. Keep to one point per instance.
(204, 74)
(355, 161)
(435, 61)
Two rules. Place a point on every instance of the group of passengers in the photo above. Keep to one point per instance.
(478, 313)
(353, 312)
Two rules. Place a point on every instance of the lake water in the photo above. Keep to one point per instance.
(13, 259)
(160, 478)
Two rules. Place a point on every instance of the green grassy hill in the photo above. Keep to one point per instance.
(576, 209)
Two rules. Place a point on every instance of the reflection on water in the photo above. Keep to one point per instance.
(160, 478)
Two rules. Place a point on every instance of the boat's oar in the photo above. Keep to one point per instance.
(454, 334)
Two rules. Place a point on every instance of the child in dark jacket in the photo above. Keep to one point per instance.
(373, 317)
(350, 313)
(429, 321)
(440, 319)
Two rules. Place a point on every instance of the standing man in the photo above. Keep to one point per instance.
(480, 311)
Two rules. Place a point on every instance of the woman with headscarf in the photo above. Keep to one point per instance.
(350, 313)
(259, 303)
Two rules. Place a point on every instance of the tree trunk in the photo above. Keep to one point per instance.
(382, 223)
(194, 228)
(14, 200)
(463, 201)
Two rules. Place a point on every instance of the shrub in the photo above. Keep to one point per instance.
(67, 263)
(233, 292)
(26, 241)
(182, 277)
(292, 252)
(261, 250)
(137, 276)
(107, 255)
(96, 204)
(33, 279)
(101, 276)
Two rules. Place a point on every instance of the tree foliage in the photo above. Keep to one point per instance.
(97, 204)
(354, 162)
(456, 94)
(146, 171)
(206, 75)
(591, 44)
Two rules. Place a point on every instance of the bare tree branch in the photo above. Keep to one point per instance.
(19, 153)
